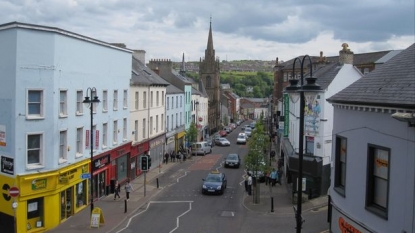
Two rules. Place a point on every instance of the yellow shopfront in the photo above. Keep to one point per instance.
(49, 198)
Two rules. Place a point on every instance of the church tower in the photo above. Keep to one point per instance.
(209, 73)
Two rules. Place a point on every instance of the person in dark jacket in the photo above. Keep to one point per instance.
(117, 190)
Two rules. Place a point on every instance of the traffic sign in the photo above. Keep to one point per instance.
(14, 192)
(86, 176)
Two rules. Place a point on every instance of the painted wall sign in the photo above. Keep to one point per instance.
(101, 162)
(342, 224)
(7, 165)
(2, 135)
(39, 184)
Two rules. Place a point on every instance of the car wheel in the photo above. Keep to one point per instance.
(210, 152)
(204, 153)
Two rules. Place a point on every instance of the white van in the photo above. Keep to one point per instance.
(201, 148)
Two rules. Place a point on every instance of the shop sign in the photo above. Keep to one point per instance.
(157, 141)
(101, 162)
(170, 140)
(65, 177)
(7, 165)
(2, 135)
(38, 184)
(343, 224)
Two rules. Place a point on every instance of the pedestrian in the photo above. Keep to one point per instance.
(117, 190)
(166, 158)
(246, 182)
(279, 174)
(128, 189)
(274, 176)
(267, 178)
(249, 184)
(178, 157)
(172, 156)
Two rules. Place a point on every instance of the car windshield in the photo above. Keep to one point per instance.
(241, 136)
(248, 129)
(213, 178)
(232, 157)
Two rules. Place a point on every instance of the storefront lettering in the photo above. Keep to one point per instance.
(101, 162)
(39, 184)
(65, 177)
(156, 142)
(120, 151)
(346, 227)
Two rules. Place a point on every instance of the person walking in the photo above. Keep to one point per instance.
(249, 184)
(172, 156)
(274, 177)
(117, 190)
(246, 182)
(128, 189)
(166, 157)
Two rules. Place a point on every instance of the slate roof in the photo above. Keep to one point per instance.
(143, 75)
(325, 74)
(390, 85)
(171, 89)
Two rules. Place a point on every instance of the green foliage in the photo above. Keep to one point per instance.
(225, 120)
(191, 133)
(257, 144)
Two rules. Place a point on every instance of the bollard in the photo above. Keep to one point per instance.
(125, 206)
(157, 179)
(272, 204)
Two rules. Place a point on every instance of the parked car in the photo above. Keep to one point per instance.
(201, 148)
(222, 142)
(227, 129)
(248, 132)
(214, 183)
(241, 139)
(232, 160)
(223, 133)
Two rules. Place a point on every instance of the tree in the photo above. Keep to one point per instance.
(256, 159)
(191, 134)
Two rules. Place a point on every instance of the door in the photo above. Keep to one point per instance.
(66, 203)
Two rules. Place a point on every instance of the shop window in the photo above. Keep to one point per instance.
(340, 165)
(35, 213)
(81, 194)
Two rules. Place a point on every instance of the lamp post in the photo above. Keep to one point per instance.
(91, 101)
(196, 119)
(309, 90)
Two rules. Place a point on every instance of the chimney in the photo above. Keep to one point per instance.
(140, 55)
(345, 55)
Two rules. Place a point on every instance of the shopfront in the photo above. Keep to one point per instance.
(180, 139)
(137, 151)
(101, 168)
(157, 150)
(170, 144)
(46, 199)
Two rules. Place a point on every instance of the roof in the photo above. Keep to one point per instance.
(390, 85)
(143, 75)
(326, 74)
(171, 89)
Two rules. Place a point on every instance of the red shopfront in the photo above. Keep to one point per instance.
(137, 151)
(109, 167)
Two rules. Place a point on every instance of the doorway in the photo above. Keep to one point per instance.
(66, 203)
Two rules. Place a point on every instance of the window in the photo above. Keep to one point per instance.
(157, 98)
(181, 101)
(62, 146)
(144, 128)
(115, 133)
(167, 124)
(34, 149)
(340, 165)
(172, 120)
(162, 122)
(79, 140)
(172, 104)
(177, 101)
(177, 120)
(168, 105)
(35, 104)
(115, 103)
(62, 103)
(105, 101)
(144, 99)
(124, 129)
(377, 187)
(285, 77)
(162, 98)
(181, 117)
(135, 130)
(125, 99)
(151, 99)
(136, 99)
(208, 82)
(151, 125)
(157, 124)
(79, 100)
(104, 135)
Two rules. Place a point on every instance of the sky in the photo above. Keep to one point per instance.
(242, 29)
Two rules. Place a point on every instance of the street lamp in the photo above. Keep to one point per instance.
(309, 90)
(91, 101)
(197, 130)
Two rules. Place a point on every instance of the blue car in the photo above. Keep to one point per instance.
(214, 183)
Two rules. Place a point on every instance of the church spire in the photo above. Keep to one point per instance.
(209, 50)
(183, 66)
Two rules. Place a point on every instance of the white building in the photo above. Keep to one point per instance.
(45, 129)
(373, 175)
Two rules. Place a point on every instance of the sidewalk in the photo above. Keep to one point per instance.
(113, 211)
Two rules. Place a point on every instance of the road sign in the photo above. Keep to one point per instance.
(86, 176)
(14, 192)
